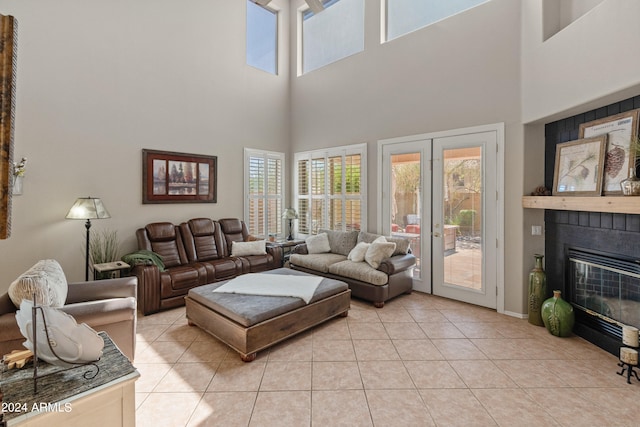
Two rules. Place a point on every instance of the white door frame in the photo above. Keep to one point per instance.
(498, 128)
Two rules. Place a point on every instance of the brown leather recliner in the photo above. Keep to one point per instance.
(194, 253)
(235, 230)
(165, 289)
(105, 305)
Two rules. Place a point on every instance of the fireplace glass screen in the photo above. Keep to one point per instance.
(606, 287)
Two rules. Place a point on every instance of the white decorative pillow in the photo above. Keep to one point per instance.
(318, 244)
(46, 280)
(380, 239)
(357, 254)
(377, 252)
(256, 247)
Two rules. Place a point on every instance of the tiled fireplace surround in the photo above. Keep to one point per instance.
(605, 233)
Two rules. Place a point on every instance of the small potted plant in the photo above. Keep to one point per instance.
(18, 175)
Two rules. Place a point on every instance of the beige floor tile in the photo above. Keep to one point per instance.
(162, 352)
(286, 376)
(367, 331)
(295, 349)
(186, 377)
(229, 409)
(458, 349)
(502, 348)
(434, 374)
(336, 376)
(479, 368)
(456, 408)
(150, 375)
(385, 375)
(237, 376)
(619, 404)
(167, 409)
(417, 350)
(427, 316)
(363, 315)
(513, 407)
(269, 409)
(149, 332)
(333, 350)
(398, 408)
(406, 331)
(140, 397)
(395, 314)
(568, 405)
(375, 350)
(479, 329)
(481, 374)
(347, 408)
(587, 373)
(441, 330)
(531, 373)
(335, 329)
(206, 351)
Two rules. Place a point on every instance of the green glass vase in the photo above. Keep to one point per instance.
(558, 315)
(537, 291)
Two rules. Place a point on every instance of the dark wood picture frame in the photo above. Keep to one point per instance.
(169, 177)
(622, 130)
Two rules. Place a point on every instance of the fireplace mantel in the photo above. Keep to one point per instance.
(609, 204)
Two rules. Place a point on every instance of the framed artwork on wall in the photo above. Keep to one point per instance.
(579, 167)
(621, 130)
(8, 63)
(169, 177)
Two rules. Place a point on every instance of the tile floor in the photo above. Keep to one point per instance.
(419, 361)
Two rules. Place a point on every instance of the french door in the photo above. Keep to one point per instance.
(406, 209)
(442, 193)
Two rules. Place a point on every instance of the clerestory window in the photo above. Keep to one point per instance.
(332, 34)
(406, 16)
(262, 38)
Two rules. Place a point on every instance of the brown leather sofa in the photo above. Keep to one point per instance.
(105, 305)
(194, 253)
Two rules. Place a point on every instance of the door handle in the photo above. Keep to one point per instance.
(435, 234)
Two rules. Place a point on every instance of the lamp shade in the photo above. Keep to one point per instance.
(88, 208)
(290, 213)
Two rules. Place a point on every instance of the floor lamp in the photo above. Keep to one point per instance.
(88, 208)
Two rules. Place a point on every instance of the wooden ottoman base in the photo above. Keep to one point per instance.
(249, 340)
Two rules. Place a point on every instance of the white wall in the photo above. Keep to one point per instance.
(460, 72)
(98, 81)
(590, 63)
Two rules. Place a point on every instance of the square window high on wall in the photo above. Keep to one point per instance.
(333, 32)
(262, 37)
(406, 16)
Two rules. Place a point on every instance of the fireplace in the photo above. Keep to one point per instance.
(610, 240)
(604, 290)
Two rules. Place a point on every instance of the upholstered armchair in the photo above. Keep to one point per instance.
(105, 305)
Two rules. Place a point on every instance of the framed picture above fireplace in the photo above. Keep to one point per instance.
(579, 166)
(169, 177)
(621, 129)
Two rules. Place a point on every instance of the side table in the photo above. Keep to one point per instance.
(110, 267)
(287, 247)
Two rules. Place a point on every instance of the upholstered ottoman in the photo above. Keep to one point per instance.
(249, 323)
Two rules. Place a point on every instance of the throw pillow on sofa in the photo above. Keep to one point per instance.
(402, 244)
(357, 254)
(256, 247)
(46, 280)
(379, 251)
(318, 244)
(341, 242)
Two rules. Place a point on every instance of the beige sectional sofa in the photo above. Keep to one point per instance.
(386, 272)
